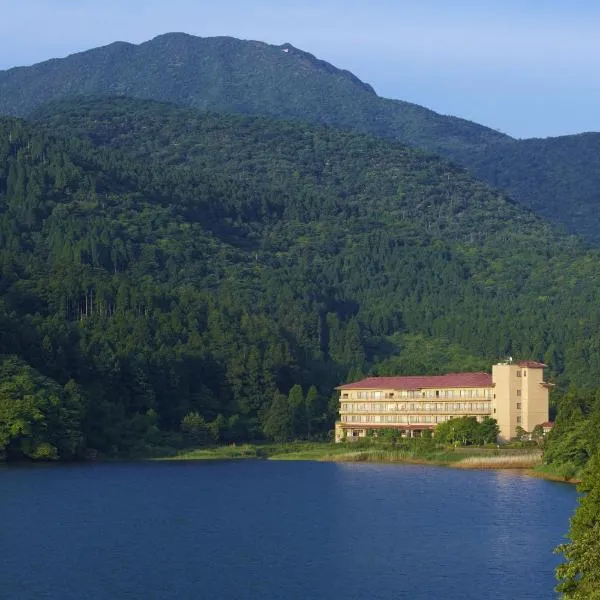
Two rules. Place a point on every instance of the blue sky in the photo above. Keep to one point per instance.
(528, 68)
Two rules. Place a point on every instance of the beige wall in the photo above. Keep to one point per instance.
(535, 398)
(521, 398)
(504, 404)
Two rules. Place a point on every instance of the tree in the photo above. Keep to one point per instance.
(38, 418)
(314, 409)
(463, 430)
(196, 429)
(467, 430)
(279, 420)
(489, 430)
(297, 406)
(579, 576)
(521, 434)
(537, 435)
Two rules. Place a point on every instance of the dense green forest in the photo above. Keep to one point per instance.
(558, 178)
(170, 277)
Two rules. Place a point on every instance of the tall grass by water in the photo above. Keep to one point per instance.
(523, 460)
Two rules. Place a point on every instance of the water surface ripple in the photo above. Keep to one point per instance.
(277, 530)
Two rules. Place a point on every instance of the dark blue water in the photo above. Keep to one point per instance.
(285, 530)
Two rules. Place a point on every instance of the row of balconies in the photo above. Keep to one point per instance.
(421, 407)
(397, 419)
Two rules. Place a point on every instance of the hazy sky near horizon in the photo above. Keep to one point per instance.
(526, 68)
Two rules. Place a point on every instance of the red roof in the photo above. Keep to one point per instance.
(400, 426)
(548, 425)
(531, 364)
(417, 382)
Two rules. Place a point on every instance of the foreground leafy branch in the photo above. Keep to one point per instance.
(579, 576)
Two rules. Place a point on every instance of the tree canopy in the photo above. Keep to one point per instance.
(189, 271)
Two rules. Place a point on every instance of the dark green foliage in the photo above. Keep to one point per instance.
(279, 419)
(576, 435)
(579, 575)
(39, 419)
(175, 263)
(467, 431)
(558, 178)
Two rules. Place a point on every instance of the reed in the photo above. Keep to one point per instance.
(504, 461)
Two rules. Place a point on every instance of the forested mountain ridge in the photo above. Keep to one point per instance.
(556, 177)
(173, 273)
(224, 74)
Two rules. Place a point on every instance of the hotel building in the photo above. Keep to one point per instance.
(515, 394)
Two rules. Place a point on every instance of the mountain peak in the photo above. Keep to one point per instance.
(226, 74)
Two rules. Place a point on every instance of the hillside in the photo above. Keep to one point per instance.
(225, 74)
(558, 178)
(171, 275)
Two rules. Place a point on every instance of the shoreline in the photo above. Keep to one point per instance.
(525, 460)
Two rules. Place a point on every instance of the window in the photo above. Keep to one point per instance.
(524, 373)
(518, 419)
(518, 373)
(518, 405)
(518, 392)
(494, 411)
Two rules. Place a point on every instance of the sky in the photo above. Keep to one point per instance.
(528, 68)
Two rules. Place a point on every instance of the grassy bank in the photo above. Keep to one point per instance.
(421, 451)
(527, 460)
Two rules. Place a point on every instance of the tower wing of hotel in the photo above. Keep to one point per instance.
(515, 394)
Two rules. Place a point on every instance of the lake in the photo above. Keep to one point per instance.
(285, 530)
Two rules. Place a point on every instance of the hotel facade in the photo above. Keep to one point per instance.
(515, 394)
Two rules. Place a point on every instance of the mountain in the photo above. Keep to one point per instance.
(224, 74)
(558, 178)
(170, 275)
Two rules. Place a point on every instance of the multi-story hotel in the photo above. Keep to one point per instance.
(515, 394)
